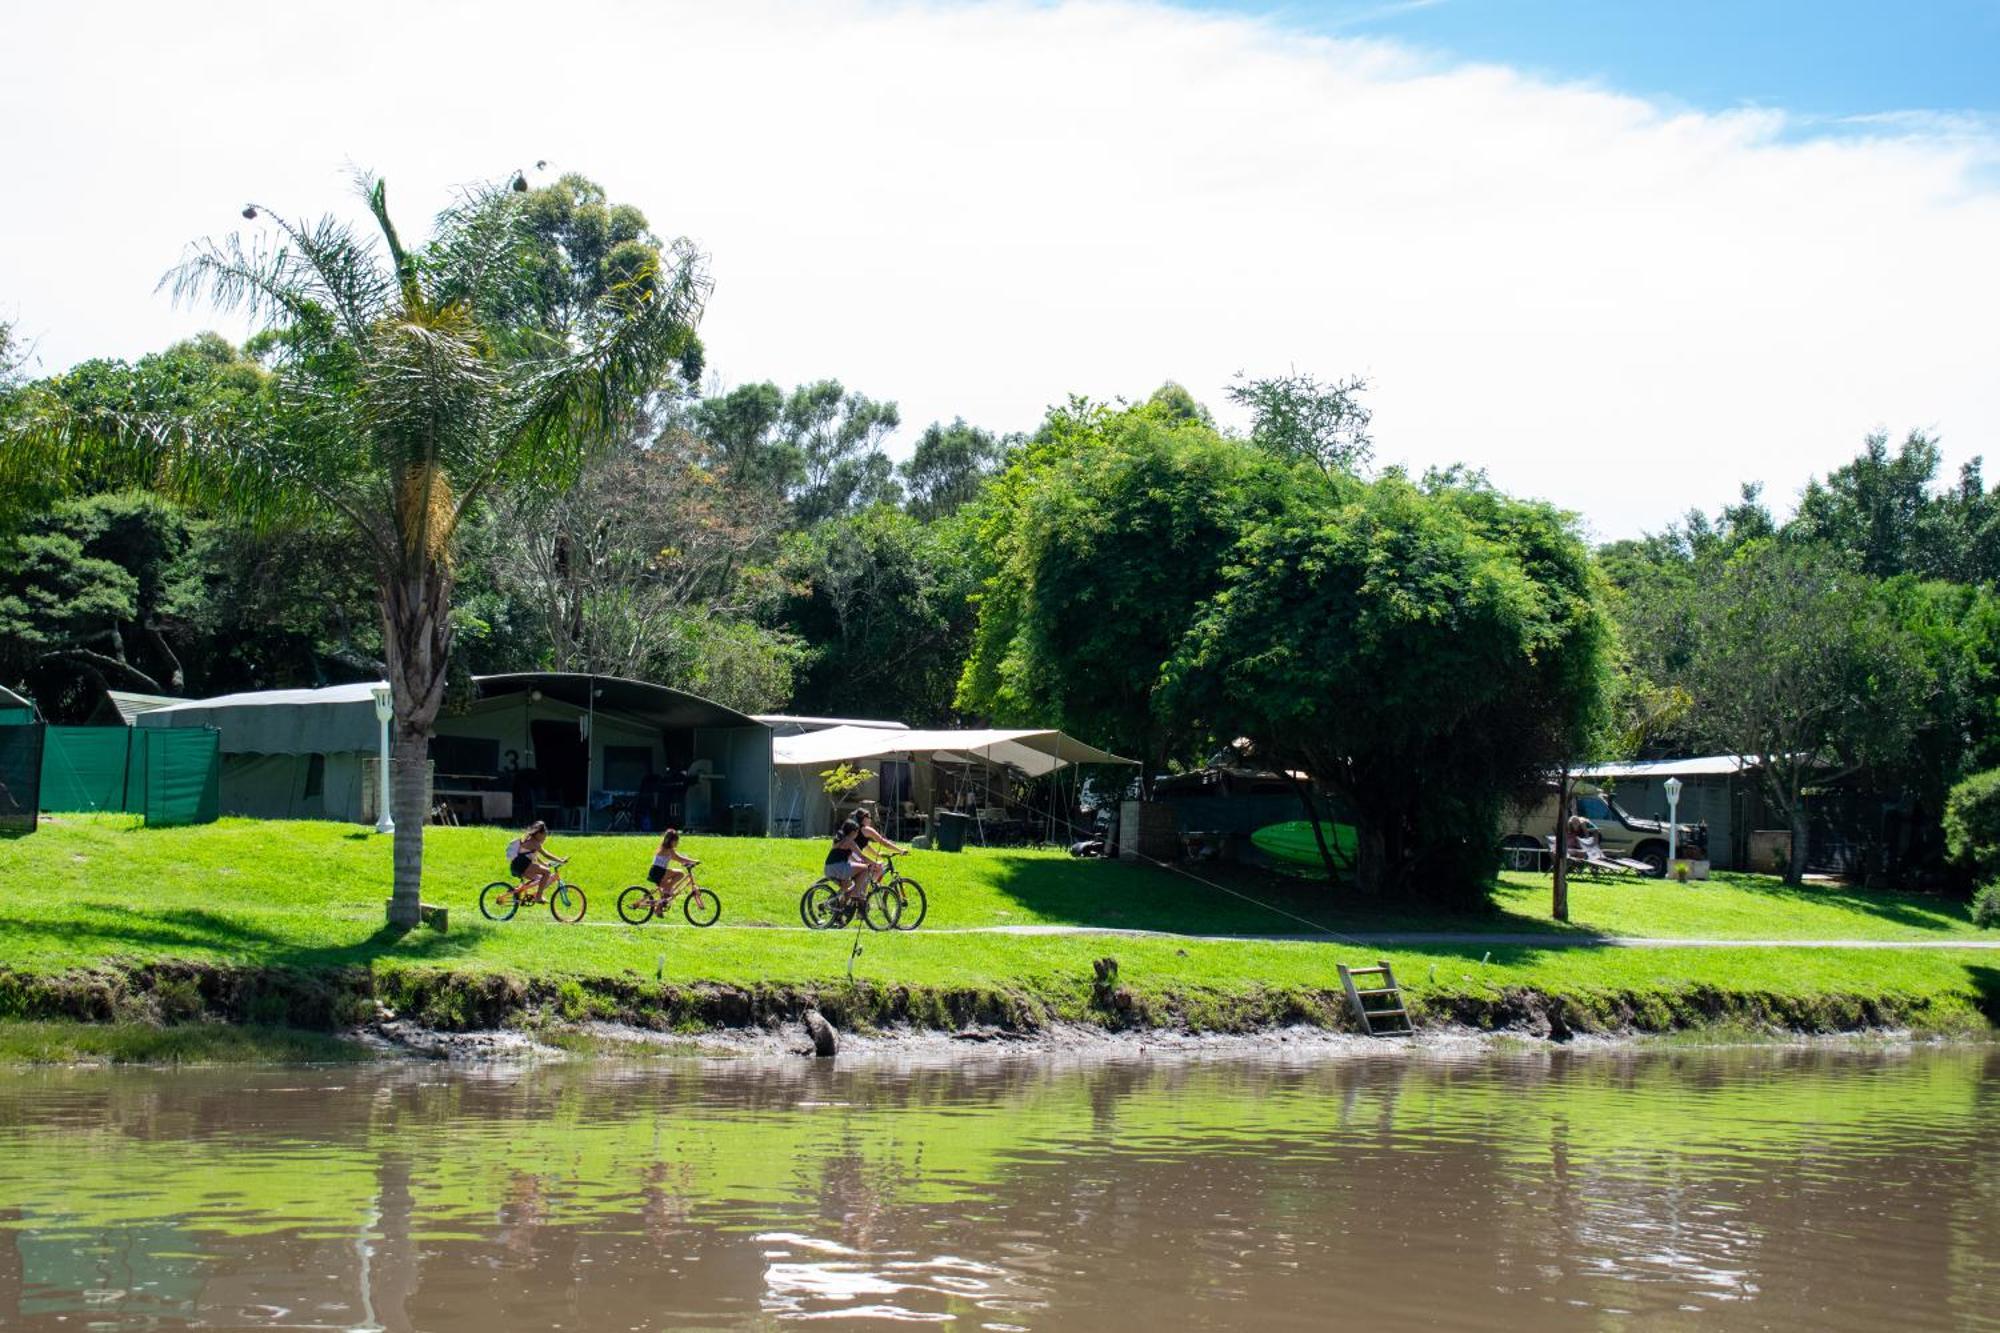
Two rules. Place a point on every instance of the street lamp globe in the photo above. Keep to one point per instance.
(385, 707)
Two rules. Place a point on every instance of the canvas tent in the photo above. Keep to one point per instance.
(912, 766)
(572, 746)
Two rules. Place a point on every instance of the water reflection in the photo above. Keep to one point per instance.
(1784, 1189)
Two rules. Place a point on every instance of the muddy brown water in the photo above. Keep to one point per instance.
(1747, 1189)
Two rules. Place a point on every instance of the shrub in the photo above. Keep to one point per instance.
(1986, 906)
(1972, 823)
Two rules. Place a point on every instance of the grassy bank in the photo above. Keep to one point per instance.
(279, 923)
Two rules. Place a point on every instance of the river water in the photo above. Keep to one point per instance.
(1764, 1188)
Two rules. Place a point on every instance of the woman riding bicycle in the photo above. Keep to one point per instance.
(528, 860)
(870, 871)
(663, 876)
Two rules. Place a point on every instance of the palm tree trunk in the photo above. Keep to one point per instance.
(416, 625)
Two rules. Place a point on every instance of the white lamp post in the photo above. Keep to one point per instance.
(1673, 789)
(384, 710)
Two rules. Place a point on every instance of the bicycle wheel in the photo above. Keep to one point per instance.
(636, 905)
(567, 903)
(881, 908)
(701, 906)
(818, 906)
(497, 901)
(915, 904)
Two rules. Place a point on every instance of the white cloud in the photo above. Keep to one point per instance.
(978, 211)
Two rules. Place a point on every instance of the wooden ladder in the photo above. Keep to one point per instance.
(1389, 1009)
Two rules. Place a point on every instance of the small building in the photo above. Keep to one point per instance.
(583, 752)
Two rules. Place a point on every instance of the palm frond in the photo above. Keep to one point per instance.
(323, 272)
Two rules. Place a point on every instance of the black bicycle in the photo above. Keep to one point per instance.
(911, 904)
(831, 905)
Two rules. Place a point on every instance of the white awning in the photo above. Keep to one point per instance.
(1032, 752)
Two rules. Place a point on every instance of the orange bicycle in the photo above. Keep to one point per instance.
(499, 900)
(642, 902)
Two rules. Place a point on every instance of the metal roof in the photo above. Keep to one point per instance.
(336, 718)
(1706, 766)
(659, 704)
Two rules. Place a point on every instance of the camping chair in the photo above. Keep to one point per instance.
(1589, 859)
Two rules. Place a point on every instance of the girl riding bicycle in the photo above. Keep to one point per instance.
(528, 860)
(867, 870)
(663, 876)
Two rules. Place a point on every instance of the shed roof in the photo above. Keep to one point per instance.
(1705, 766)
(338, 718)
(1033, 752)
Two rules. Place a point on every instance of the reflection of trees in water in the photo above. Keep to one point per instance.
(12, 1270)
(1504, 1186)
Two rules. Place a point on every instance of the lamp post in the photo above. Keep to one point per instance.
(1673, 789)
(384, 710)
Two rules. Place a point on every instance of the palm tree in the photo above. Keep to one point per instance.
(408, 388)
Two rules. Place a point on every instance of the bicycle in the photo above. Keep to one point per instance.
(908, 893)
(499, 900)
(643, 902)
(828, 905)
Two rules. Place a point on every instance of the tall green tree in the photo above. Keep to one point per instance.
(948, 467)
(1300, 419)
(410, 386)
(1798, 664)
(1423, 651)
(885, 601)
(94, 595)
(1097, 546)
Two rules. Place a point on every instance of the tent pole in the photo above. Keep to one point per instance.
(589, 744)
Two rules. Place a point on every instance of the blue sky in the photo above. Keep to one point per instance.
(1548, 234)
(1814, 58)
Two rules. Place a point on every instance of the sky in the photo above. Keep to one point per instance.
(1621, 256)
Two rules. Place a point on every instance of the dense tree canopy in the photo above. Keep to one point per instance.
(1097, 547)
(1421, 651)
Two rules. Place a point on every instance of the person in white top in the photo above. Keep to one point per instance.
(664, 876)
(528, 862)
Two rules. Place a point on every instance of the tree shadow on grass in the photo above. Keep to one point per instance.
(1917, 911)
(1223, 899)
(120, 931)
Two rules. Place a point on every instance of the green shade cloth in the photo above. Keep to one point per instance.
(170, 777)
(20, 778)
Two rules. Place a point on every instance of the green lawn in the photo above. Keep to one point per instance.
(87, 889)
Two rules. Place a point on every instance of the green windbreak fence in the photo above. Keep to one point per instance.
(169, 776)
(20, 778)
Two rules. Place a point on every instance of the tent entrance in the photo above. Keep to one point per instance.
(562, 762)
